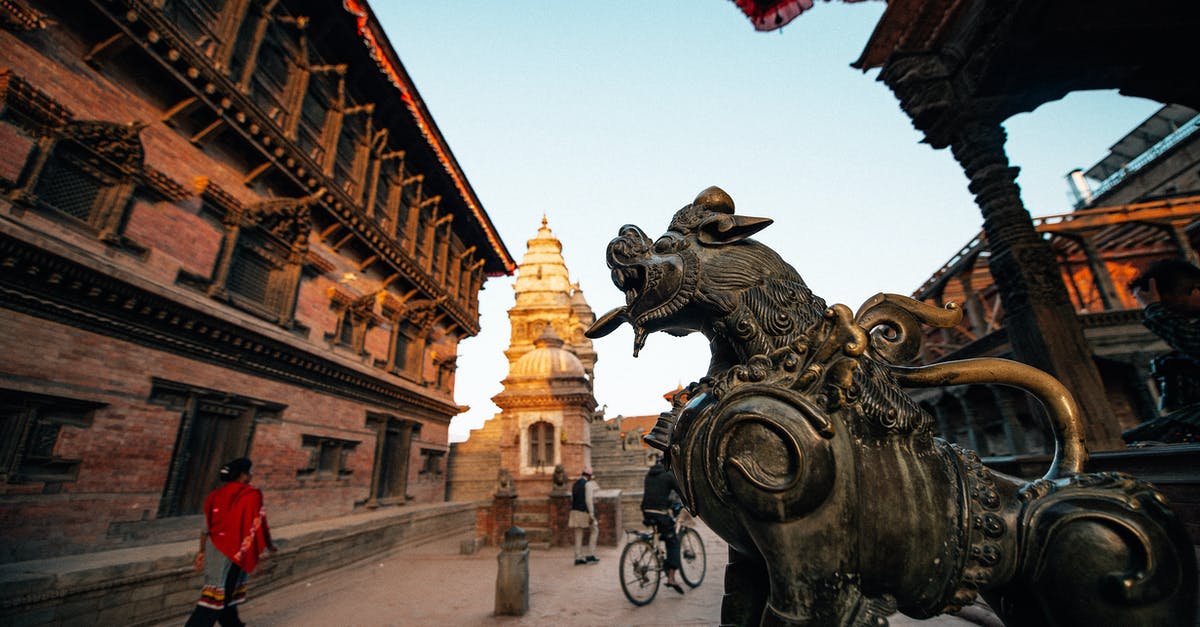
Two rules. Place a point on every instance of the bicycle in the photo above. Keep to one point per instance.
(642, 560)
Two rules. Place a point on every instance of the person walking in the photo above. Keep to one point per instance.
(657, 512)
(1169, 290)
(235, 534)
(583, 516)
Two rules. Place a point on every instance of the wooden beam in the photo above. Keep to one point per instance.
(198, 138)
(343, 241)
(367, 262)
(256, 172)
(329, 230)
(112, 45)
(179, 107)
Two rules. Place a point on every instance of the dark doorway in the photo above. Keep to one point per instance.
(389, 482)
(214, 428)
(216, 435)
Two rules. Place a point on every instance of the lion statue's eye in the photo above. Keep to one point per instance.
(666, 244)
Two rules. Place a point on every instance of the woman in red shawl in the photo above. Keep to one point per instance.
(236, 534)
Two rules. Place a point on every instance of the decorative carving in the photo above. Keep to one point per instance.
(421, 313)
(113, 145)
(163, 185)
(14, 15)
(801, 435)
(289, 219)
(504, 484)
(34, 110)
(559, 479)
(51, 287)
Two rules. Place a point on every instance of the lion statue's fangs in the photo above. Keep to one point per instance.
(801, 449)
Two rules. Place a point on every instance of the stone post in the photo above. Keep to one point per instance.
(512, 580)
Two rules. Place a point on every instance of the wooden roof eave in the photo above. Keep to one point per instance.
(907, 26)
(500, 261)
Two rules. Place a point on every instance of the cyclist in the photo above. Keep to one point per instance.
(657, 512)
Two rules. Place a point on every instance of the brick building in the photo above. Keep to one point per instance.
(1144, 207)
(227, 227)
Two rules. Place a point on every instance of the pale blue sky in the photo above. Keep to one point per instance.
(604, 113)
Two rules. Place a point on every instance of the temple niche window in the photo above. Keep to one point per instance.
(411, 323)
(539, 438)
(355, 318)
(405, 350)
(327, 457)
(432, 466)
(262, 252)
(82, 173)
(30, 426)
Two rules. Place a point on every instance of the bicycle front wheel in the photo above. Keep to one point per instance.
(640, 572)
(692, 559)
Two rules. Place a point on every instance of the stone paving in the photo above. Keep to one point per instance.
(433, 584)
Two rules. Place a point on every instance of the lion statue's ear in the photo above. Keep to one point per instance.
(725, 229)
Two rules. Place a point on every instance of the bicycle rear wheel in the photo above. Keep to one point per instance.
(640, 572)
(692, 559)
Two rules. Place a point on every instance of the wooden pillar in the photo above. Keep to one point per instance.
(1041, 323)
(1179, 236)
(476, 283)
(232, 15)
(260, 32)
(457, 275)
(232, 224)
(1100, 275)
(442, 261)
(426, 249)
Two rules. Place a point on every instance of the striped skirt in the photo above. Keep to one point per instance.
(224, 581)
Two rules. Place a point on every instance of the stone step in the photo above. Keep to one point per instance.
(525, 520)
(537, 536)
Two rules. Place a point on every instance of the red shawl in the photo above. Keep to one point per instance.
(237, 524)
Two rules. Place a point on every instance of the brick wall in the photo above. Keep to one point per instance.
(127, 449)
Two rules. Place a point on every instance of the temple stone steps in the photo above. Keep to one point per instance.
(533, 515)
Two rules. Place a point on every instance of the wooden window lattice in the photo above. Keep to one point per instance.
(66, 188)
(541, 444)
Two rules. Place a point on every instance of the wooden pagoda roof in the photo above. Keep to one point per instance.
(500, 261)
(998, 58)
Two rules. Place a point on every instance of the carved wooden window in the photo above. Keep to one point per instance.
(431, 466)
(30, 426)
(319, 100)
(273, 61)
(540, 437)
(355, 317)
(85, 173)
(257, 265)
(406, 349)
(328, 457)
(351, 149)
(259, 269)
(385, 199)
(201, 21)
(445, 374)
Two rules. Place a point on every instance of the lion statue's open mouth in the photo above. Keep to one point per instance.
(801, 448)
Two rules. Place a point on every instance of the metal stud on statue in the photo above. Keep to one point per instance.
(800, 448)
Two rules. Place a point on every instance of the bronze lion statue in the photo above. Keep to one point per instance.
(801, 449)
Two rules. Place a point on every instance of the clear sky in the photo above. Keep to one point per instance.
(599, 114)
